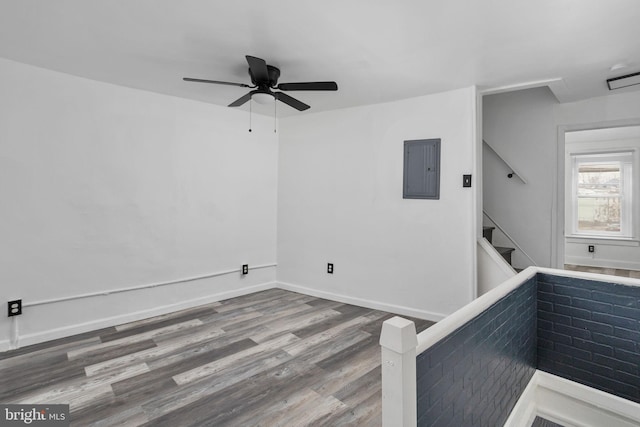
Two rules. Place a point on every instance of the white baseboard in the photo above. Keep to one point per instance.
(376, 305)
(105, 322)
(571, 404)
(62, 332)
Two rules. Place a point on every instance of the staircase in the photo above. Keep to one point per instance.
(487, 233)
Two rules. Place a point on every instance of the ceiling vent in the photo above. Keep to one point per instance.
(624, 81)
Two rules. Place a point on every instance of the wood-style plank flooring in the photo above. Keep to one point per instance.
(634, 274)
(272, 358)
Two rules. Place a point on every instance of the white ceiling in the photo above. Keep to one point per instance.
(376, 50)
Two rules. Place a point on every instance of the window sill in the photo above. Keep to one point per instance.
(603, 240)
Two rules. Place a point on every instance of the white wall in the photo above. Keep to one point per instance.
(105, 187)
(520, 127)
(340, 201)
(615, 109)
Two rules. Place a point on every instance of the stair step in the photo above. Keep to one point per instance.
(487, 233)
(502, 250)
(505, 252)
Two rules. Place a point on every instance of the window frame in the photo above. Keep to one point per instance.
(626, 159)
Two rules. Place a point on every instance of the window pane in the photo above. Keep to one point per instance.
(599, 179)
(599, 214)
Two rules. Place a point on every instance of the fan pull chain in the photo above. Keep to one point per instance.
(275, 114)
(250, 111)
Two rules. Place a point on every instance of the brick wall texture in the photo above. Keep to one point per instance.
(589, 332)
(474, 376)
(585, 331)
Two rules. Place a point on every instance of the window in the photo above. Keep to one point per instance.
(602, 194)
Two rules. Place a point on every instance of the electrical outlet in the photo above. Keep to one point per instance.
(330, 268)
(245, 268)
(592, 248)
(14, 308)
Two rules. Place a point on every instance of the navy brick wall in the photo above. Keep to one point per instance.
(474, 376)
(589, 332)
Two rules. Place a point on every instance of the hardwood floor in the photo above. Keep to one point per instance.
(273, 358)
(634, 274)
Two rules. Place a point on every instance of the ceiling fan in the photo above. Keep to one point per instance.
(264, 78)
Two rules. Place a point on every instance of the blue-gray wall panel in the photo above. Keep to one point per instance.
(474, 376)
(589, 332)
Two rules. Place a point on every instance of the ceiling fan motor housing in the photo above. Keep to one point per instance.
(274, 75)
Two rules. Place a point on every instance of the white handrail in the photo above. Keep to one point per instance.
(509, 237)
(513, 171)
(457, 319)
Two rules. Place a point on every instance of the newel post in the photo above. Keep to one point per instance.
(398, 341)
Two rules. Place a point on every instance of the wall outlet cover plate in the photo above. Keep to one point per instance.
(14, 308)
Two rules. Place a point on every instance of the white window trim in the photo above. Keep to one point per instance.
(606, 241)
(628, 231)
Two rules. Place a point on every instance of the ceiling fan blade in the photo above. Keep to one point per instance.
(308, 86)
(258, 68)
(238, 102)
(189, 79)
(292, 102)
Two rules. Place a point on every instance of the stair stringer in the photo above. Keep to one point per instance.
(493, 269)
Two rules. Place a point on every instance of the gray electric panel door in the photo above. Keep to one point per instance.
(421, 169)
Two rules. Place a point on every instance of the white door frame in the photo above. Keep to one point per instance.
(558, 220)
